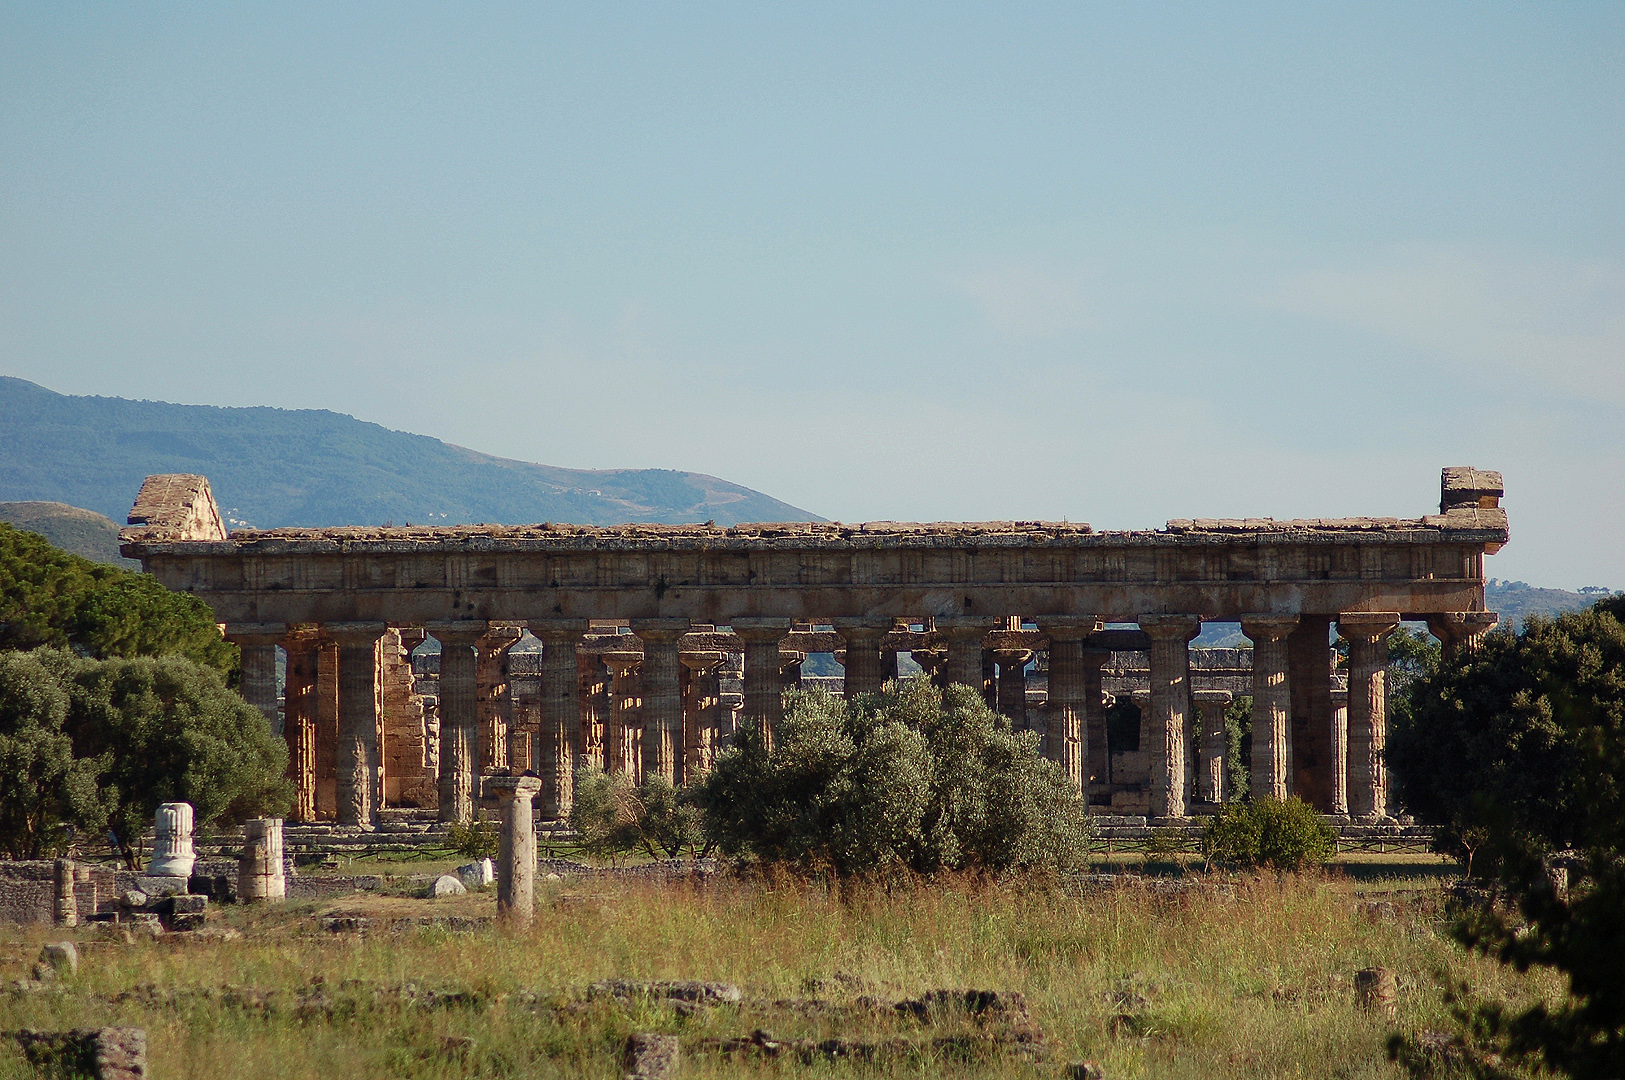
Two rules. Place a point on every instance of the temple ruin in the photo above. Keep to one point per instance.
(643, 648)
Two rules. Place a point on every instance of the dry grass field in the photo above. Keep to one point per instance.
(1193, 976)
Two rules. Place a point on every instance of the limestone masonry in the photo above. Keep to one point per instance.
(657, 641)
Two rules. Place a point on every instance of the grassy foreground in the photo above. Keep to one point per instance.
(1219, 977)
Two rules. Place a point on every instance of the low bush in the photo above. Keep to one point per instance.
(912, 778)
(477, 839)
(1281, 834)
(615, 817)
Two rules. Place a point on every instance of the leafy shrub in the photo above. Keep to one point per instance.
(909, 778)
(477, 839)
(42, 785)
(614, 817)
(1283, 834)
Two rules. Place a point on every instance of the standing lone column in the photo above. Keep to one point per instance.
(172, 854)
(259, 868)
(1170, 676)
(662, 697)
(862, 637)
(964, 637)
(561, 711)
(1272, 703)
(516, 851)
(1066, 735)
(1211, 744)
(357, 765)
(66, 910)
(1367, 633)
(459, 717)
(1461, 631)
(764, 692)
(258, 642)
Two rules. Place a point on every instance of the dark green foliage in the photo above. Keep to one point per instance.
(170, 730)
(1238, 746)
(1493, 745)
(1282, 835)
(477, 839)
(1537, 720)
(48, 597)
(614, 817)
(42, 785)
(911, 778)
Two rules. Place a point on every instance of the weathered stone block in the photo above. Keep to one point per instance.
(651, 1057)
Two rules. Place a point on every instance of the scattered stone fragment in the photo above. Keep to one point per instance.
(703, 993)
(477, 875)
(1377, 989)
(651, 1057)
(1084, 1070)
(110, 1053)
(446, 885)
(56, 960)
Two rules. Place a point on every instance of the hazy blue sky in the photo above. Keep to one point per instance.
(1114, 264)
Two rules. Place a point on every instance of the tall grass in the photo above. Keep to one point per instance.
(1252, 979)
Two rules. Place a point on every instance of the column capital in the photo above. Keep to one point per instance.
(1171, 627)
(562, 630)
(458, 633)
(1068, 627)
(701, 661)
(1453, 626)
(255, 633)
(621, 659)
(1367, 624)
(1212, 697)
(353, 634)
(1267, 626)
(964, 626)
(1012, 656)
(753, 630)
(659, 630)
(523, 786)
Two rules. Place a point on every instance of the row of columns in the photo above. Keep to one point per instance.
(1338, 768)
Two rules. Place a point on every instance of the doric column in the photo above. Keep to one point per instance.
(1012, 686)
(516, 848)
(622, 735)
(764, 692)
(258, 642)
(1367, 633)
(662, 697)
(1461, 631)
(1066, 734)
(327, 727)
(592, 682)
(260, 875)
(299, 719)
(1170, 708)
(561, 711)
(964, 638)
(1211, 745)
(1309, 665)
(789, 672)
(495, 705)
(1340, 751)
(359, 716)
(701, 704)
(1272, 703)
(862, 637)
(459, 717)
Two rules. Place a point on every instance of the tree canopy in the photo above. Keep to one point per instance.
(49, 597)
(912, 778)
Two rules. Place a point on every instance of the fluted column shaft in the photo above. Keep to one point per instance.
(357, 764)
(701, 704)
(1066, 735)
(495, 705)
(662, 697)
(621, 737)
(863, 671)
(964, 637)
(1310, 758)
(1211, 745)
(1012, 686)
(459, 718)
(257, 643)
(1367, 634)
(561, 711)
(1170, 669)
(299, 721)
(1272, 703)
(1340, 751)
(764, 692)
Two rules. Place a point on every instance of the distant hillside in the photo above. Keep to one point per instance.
(1517, 600)
(279, 467)
(82, 532)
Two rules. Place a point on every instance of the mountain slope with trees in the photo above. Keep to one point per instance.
(280, 467)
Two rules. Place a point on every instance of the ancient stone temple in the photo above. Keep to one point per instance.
(641, 648)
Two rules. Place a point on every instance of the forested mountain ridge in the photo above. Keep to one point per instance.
(280, 467)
